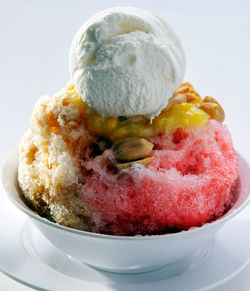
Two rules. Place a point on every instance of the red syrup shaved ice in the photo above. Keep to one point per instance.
(189, 182)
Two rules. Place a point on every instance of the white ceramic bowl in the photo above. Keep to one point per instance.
(126, 254)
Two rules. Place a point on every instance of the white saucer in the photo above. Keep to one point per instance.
(28, 257)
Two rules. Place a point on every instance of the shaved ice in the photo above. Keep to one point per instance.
(189, 182)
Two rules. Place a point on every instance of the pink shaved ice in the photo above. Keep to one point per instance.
(189, 182)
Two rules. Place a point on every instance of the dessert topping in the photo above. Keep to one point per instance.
(184, 94)
(132, 148)
(213, 108)
(126, 62)
(185, 108)
(129, 164)
(180, 116)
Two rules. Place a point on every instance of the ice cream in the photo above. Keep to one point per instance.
(126, 62)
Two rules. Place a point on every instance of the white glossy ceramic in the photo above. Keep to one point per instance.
(126, 254)
(27, 256)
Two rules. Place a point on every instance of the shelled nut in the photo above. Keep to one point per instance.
(132, 148)
(141, 162)
(213, 108)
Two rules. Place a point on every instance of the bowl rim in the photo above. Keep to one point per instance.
(12, 160)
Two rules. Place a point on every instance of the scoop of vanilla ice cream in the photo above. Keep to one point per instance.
(126, 61)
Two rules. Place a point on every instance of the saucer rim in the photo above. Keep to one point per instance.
(98, 286)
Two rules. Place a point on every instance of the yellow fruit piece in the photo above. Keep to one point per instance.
(120, 132)
(95, 123)
(184, 115)
(72, 96)
(160, 124)
(133, 129)
(109, 126)
(77, 100)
